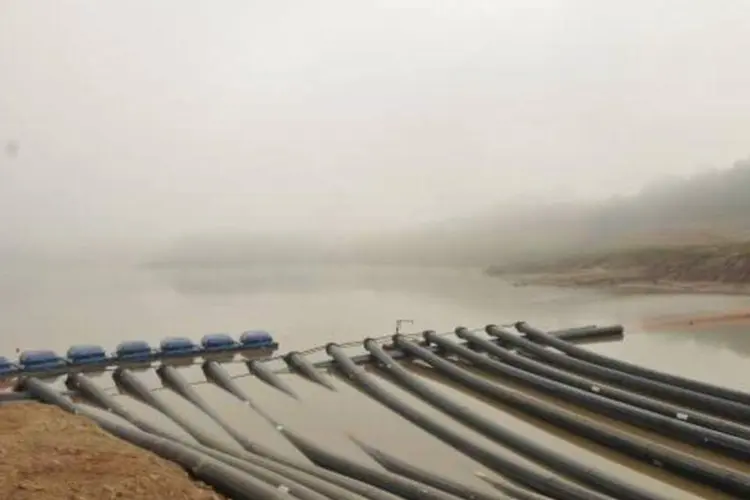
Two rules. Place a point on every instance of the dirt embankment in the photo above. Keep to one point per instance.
(715, 268)
(48, 454)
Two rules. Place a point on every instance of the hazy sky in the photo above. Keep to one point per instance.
(142, 118)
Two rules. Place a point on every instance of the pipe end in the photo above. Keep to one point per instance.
(330, 346)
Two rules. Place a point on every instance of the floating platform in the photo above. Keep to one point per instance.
(138, 354)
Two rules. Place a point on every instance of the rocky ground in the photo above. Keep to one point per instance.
(48, 454)
(700, 268)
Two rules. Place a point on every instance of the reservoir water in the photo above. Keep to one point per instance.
(305, 306)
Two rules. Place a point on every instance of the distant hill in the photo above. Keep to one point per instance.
(712, 207)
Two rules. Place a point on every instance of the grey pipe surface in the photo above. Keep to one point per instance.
(538, 480)
(554, 460)
(631, 368)
(688, 466)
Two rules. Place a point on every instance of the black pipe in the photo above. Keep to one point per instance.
(279, 482)
(516, 492)
(599, 399)
(537, 480)
(553, 460)
(172, 379)
(302, 365)
(590, 334)
(385, 481)
(223, 478)
(312, 477)
(699, 401)
(633, 369)
(131, 385)
(684, 465)
(42, 391)
(401, 486)
(260, 370)
(403, 468)
(334, 463)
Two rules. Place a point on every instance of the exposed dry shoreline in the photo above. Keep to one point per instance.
(47, 454)
(720, 269)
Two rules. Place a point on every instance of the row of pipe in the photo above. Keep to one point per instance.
(333, 476)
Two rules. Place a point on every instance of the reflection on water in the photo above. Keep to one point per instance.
(304, 307)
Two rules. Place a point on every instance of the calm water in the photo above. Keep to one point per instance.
(304, 307)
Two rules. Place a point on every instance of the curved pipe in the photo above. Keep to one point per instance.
(224, 478)
(300, 364)
(261, 371)
(220, 476)
(315, 453)
(515, 492)
(543, 370)
(172, 379)
(218, 375)
(279, 482)
(631, 368)
(131, 385)
(556, 461)
(539, 481)
(311, 477)
(682, 464)
(406, 469)
(703, 402)
(725, 444)
(401, 486)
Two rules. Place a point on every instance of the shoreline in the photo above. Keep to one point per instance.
(48, 454)
(709, 269)
(613, 283)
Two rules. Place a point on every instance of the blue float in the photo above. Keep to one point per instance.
(7, 367)
(134, 350)
(40, 360)
(177, 346)
(218, 342)
(86, 355)
(256, 339)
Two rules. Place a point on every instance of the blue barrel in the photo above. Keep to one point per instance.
(7, 367)
(256, 339)
(218, 342)
(40, 360)
(86, 355)
(134, 350)
(177, 346)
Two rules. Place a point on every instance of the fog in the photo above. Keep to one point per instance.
(138, 127)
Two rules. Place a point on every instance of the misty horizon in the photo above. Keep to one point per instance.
(133, 126)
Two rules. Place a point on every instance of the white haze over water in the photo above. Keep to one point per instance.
(138, 122)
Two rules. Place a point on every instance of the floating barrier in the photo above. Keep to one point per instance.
(87, 355)
(40, 361)
(8, 367)
(134, 350)
(177, 346)
(138, 354)
(331, 475)
(256, 338)
(218, 342)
